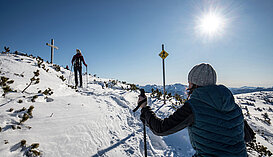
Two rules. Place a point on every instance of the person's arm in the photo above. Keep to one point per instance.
(73, 59)
(249, 133)
(83, 61)
(181, 118)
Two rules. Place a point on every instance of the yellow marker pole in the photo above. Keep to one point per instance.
(163, 73)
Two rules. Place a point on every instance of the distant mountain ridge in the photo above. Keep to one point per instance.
(180, 89)
(176, 88)
(246, 89)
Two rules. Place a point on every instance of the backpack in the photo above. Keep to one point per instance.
(77, 62)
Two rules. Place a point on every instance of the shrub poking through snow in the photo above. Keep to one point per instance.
(266, 119)
(4, 83)
(34, 79)
(21, 110)
(10, 110)
(72, 87)
(261, 149)
(10, 81)
(114, 82)
(106, 84)
(132, 87)
(39, 61)
(20, 101)
(40, 64)
(7, 50)
(23, 143)
(0, 129)
(35, 145)
(179, 98)
(24, 118)
(20, 75)
(62, 78)
(36, 73)
(48, 91)
(56, 67)
(35, 152)
(3, 80)
(168, 96)
(6, 89)
(30, 151)
(33, 98)
(29, 111)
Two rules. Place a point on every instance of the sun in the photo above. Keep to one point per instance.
(210, 24)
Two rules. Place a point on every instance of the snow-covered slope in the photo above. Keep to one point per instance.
(96, 120)
(90, 121)
(258, 111)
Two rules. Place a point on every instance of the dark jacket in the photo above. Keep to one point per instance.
(77, 60)
(186, 117)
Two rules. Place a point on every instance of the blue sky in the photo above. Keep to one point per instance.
(121, 39)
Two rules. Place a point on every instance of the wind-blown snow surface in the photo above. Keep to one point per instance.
(255, 107)
(92, 121)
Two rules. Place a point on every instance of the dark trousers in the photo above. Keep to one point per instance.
(76, 71)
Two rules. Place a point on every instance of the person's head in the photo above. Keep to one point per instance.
(78, 51)
(201, 75)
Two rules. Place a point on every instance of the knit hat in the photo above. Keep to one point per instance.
(202, 75)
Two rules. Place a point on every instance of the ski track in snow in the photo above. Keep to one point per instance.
(91, 121)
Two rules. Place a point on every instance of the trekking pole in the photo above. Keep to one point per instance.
(86, 77)
(142, 93)
(70, 75)
(145, 145)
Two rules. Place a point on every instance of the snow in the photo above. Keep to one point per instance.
(94, 120)
(257, 104)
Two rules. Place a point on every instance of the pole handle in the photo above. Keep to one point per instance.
(142, 93)
(139, 104)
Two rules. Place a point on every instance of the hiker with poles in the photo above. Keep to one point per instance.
(216, 125)
(77, 61)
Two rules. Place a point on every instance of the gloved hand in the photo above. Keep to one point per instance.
(142, 100)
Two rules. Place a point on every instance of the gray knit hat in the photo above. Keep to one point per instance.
(202, 75)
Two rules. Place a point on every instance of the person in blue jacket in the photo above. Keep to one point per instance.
(215, 122)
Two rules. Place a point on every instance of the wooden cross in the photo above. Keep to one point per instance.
(52, 49)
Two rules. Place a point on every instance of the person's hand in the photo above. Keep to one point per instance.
(142, 100)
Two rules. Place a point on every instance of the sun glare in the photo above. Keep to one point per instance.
(210, 24)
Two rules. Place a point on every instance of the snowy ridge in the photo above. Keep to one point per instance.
(96, 120)
(90, 121)
(258, 111)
